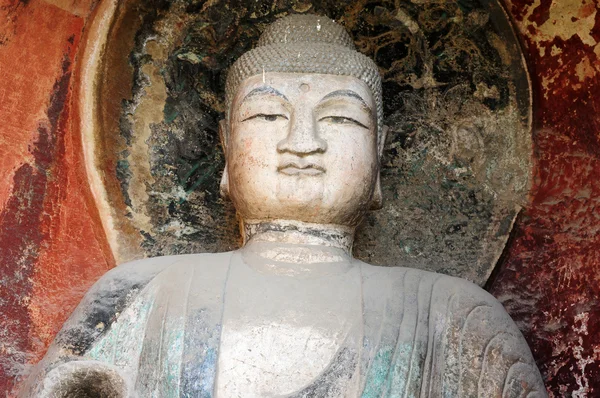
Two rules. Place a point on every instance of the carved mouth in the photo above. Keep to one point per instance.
(309, 169)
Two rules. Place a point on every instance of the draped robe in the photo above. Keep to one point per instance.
(158, 324)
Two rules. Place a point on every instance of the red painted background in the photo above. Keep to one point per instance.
(52, 247)
(550, 279)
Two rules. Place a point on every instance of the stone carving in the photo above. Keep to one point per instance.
(455, 169)
(291, 313)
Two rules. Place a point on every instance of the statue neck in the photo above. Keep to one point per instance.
(301, 233)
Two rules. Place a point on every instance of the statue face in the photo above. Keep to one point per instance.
(302, 147)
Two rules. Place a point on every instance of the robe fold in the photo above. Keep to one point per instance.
(157, 323)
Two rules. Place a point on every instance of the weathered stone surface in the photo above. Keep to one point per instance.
(549, 280)
(457, 100)
(49, 226)
(553, 242)
(291, 313)
(190, 326)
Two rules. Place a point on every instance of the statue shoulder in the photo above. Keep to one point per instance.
(476, 337)
(446, 295)
(134, 274)
(108, 299)
(451, 285)
(117, 289)
(467, 291)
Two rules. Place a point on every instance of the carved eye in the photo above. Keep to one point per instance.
(267, 117)
(342, 120)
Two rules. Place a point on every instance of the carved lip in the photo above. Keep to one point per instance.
(292, 168)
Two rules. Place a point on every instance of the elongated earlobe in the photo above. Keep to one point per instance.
(377, 199)
(224, 187)
(381, 141)
(223, 134)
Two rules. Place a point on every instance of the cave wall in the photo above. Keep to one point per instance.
(549, 279)
(52, 245)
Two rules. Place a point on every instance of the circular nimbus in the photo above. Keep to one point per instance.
(457, 100)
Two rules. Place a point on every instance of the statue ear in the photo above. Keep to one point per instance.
(224, 186)
(223, 134)
(381, 144)
(377, 198)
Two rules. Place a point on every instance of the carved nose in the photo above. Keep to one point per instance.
(303, 138)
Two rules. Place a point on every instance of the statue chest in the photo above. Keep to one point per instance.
(280, 333)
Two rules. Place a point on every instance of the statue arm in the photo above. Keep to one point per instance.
(91, 320)
(495, 359)
(440, 336)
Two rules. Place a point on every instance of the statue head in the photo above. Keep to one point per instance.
(303, 133)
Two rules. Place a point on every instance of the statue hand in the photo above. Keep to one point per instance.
(86, 379)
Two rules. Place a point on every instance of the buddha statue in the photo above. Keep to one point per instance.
(291, 313)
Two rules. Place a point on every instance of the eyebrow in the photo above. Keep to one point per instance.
(346, 93)
(264, 90)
